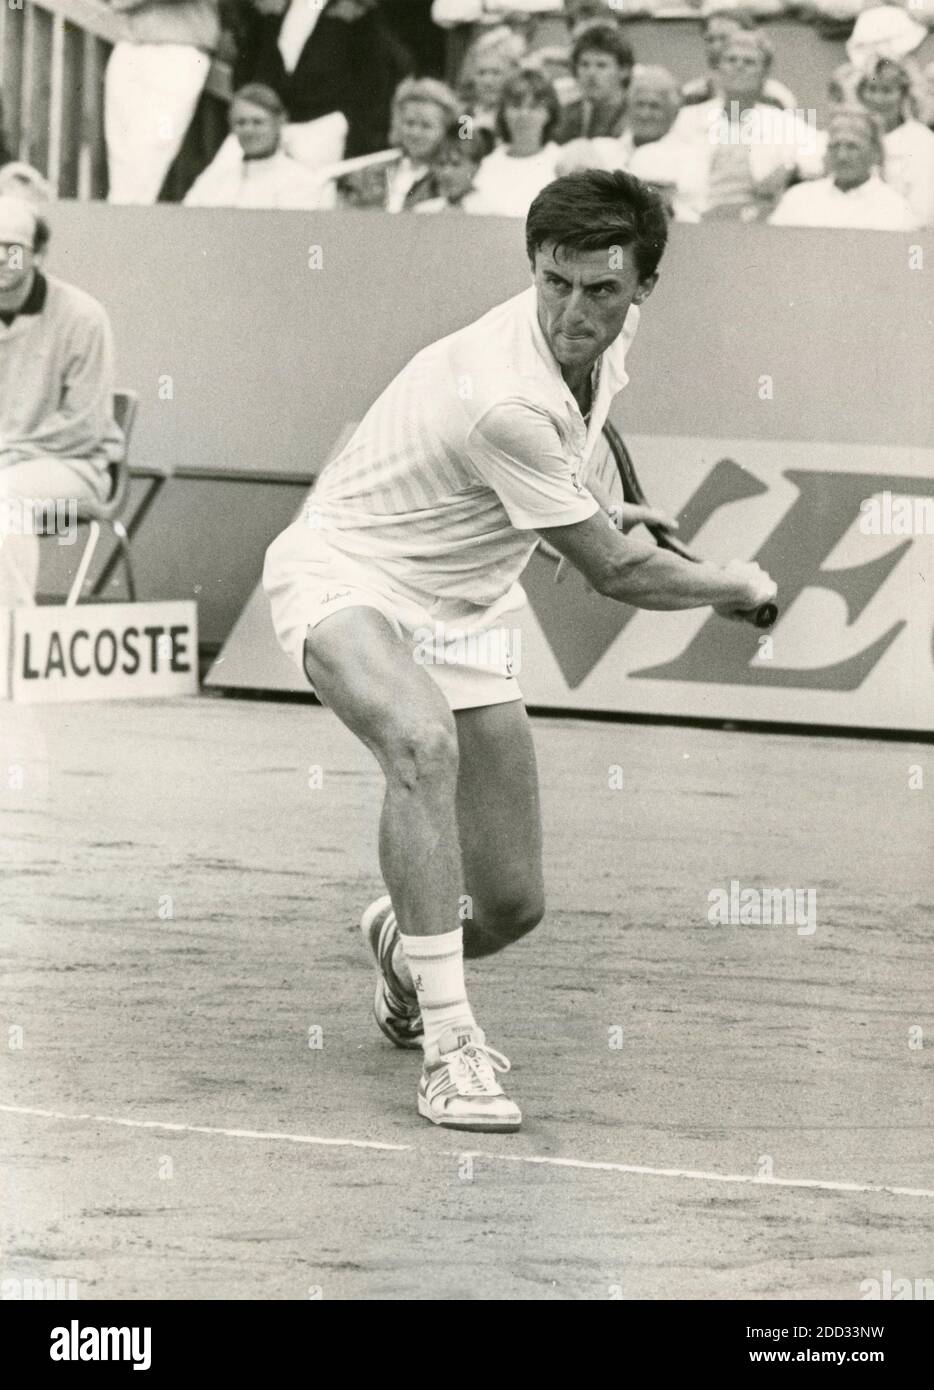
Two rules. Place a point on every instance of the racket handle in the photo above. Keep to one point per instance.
(765, 615)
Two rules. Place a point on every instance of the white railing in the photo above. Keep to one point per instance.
(52, 83)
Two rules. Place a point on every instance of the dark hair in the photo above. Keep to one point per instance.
(593, 209)
(475, 140)
(528, 83)
(602, 38)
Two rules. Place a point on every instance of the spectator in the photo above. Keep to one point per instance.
(422, 111)
(57, 431)
(23, 181)
(719, 26)
(154, 78)
(887, 90)
(510, 177)
(841, 89)
(253, 170)
(742, 152)
(602, 61)
(654, 101)
(852, 195)
(320, 58)
(554, 64)
(454, 169)
(492, 59)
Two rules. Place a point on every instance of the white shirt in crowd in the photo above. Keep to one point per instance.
(476, 443)
(276, 182)
(871, 206)
(774, 140)
(909, 167)
(673, 162)
(402, 177)
(507, 185)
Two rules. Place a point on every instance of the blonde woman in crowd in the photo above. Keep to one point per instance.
(422, 110)
(890, 90)
(492, 59)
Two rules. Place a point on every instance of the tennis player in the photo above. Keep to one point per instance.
(394, 591)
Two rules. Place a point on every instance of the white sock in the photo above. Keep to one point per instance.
(400, 965)
(437, 967)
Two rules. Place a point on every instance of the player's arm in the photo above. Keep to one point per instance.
(517, 451)
(639, 573)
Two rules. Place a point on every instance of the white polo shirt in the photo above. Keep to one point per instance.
(871, 206)
(475, 444)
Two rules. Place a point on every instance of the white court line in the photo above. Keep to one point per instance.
(590, 1165)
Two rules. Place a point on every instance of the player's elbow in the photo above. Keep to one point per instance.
(620, 577)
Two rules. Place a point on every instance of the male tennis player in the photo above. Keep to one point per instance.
(422, 526)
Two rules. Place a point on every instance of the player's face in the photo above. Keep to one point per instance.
(583, 300)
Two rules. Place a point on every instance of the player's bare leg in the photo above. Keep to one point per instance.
(368, 677)
(499, 826)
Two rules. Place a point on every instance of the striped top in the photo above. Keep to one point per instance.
(472, 447)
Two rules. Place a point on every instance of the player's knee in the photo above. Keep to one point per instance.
(423, 754)
(508, 919)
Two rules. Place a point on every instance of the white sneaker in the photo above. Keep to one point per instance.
(395, 1008)
(459, 1088)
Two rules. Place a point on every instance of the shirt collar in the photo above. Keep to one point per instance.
(609, 371)
(612, 374)
(34, 302)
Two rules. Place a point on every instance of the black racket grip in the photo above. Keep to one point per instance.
(766, 615)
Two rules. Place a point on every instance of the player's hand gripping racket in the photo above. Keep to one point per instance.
(763, 616)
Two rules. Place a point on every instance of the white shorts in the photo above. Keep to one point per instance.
(474, 661)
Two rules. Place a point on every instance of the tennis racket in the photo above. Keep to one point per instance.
(763, 616)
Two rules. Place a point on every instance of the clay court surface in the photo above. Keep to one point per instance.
(179, 910)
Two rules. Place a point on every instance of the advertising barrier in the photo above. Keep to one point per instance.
(100, 651)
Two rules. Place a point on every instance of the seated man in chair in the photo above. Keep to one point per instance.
(57, 430)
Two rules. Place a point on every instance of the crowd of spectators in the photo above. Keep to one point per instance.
(341, 103)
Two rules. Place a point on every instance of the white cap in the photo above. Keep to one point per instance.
(883, 32)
